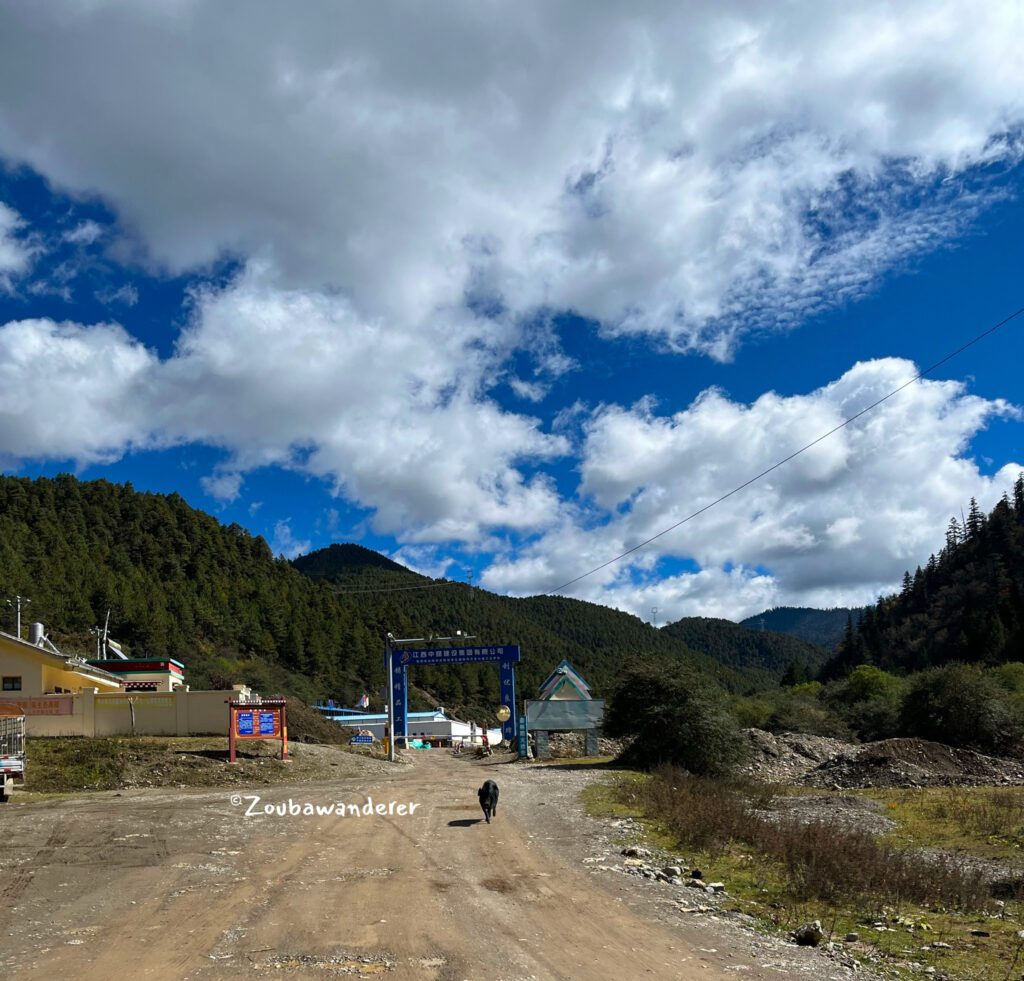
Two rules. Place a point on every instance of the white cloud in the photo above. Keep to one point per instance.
(285, 543)
(73, 392)
(837, 525)
(531, 391)
(225, 486)
(126, 294)
(396, 420)
(691, 172)
(84, 233)
(15, 253)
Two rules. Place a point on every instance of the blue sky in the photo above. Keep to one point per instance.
(346, 283)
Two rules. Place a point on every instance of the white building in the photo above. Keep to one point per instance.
(433, 726)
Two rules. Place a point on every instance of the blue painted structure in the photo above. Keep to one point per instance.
(506, 655)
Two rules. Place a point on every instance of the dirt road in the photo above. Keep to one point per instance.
(176, 884)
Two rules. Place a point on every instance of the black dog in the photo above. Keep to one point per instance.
(488, 795)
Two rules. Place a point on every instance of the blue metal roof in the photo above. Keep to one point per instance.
(378, 717)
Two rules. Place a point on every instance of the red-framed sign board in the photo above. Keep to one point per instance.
(266, 719)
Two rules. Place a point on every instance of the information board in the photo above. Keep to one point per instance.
(266, 719)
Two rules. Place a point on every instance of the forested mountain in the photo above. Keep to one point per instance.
(180, 584)
(822, 627)
(743, 648)
(966, 604)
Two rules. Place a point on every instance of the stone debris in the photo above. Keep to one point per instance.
(809, 934)
(913, 763)
(635, 851)
(832, 764)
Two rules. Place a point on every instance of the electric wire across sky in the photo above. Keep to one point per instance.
(764, 473)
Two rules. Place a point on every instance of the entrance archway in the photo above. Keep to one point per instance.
(399, 660)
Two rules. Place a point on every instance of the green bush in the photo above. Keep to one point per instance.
(797, 711)
(671, 715)
(962, 705)
(869, 700)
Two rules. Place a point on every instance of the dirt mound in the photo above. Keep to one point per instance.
(912, 763)
(786, 756)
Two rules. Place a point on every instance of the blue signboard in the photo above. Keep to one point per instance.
(457, 655)
(245, 722)
(524, 749)
(361, 738)
(268, 725)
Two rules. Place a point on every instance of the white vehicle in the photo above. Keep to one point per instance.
(12, 752)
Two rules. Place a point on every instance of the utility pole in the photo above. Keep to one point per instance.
(654, 616)
(16, 605)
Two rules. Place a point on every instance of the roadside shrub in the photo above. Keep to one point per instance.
(797, 711)
(961, 705)
(670, 715)
(751, 712)
(869, 701)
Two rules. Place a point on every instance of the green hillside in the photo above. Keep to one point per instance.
(743, 648)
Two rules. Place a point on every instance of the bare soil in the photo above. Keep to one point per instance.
(167, 883)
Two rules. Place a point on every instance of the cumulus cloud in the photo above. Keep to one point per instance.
(397, 421)
(837, 525)
(691, 173)
(73, 392)
(84, 233)
(224, 486)
(15, 254)
(423, 559)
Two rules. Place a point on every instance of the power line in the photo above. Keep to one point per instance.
(803, 449)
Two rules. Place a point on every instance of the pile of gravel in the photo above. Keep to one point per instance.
(913, 763)
(786, 757)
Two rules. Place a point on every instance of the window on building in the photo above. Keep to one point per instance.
(12, 684)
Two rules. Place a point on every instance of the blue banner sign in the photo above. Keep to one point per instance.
(358, 739)
(268, 724)
(524, 749)
(245, 723)
(457, 655)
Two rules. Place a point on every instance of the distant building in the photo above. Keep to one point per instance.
(33, 668)
(432, 726)
(145, 674)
